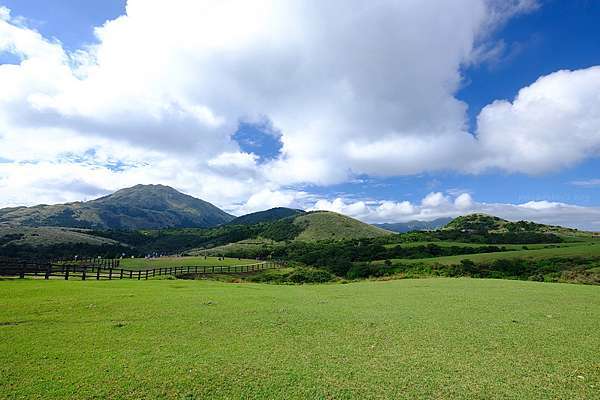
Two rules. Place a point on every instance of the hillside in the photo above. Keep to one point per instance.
(265, 216)
(138, 207)
(483, 223)
(52, 242)
(322, 225)
(403, 227)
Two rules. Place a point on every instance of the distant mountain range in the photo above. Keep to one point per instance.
(138, 207)
(403, 227)
(266, 216)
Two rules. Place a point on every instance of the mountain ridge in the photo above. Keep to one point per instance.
(269, 215)
(137, 207)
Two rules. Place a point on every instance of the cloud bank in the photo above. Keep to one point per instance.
(351, 87)
(439, 205)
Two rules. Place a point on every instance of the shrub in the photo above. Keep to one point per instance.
(366, 270)
(310, 275)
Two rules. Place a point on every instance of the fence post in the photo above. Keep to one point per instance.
(130, 274)
(139, 275)
(48, 271)
(110, 274)
(146, 274)
(22, 271)
(67, 273)
(153, 272)
(83, 273)
(121, 274)
(98, 273)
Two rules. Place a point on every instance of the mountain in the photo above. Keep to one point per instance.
(321, 225)
(138, 207)
(403, 227)
(265, 216)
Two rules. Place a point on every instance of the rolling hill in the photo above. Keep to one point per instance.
(272, 214)
(53, 242)
(323, 225)
(483, 223)
(138, 207)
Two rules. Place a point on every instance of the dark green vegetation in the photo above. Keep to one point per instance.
(429, 338)
(482, 223)
(341, 246)
(266, 216)
(312, 226)
(403, 227)
(138, 207)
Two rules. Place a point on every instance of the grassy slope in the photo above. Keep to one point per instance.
(583, 250)
(475, 245)
(430, 338)
(141, 263)
(45, 236)
(232, 247)
(323, 225)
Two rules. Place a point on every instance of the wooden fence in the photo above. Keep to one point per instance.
(85, 272)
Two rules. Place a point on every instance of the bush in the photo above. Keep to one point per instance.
(310, 275)
(365, 270)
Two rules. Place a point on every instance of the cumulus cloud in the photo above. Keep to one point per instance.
(351, 87)
(551, 124)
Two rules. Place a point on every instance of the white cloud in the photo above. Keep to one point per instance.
(552, 124)
(463, 201)
(587, 183)
(353, 87)
(436, 205)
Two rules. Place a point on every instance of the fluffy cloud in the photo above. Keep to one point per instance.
(352, 87)
(551, 124)
(438, 205)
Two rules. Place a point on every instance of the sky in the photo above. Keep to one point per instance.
(387, 111)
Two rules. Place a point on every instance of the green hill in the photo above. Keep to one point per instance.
(483, 223)
(266, 216)
(323, 225)
(53, 242)
(138, 207)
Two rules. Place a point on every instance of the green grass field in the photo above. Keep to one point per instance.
(475, 245)
(162, 262)
(566, 250)
(427, 338)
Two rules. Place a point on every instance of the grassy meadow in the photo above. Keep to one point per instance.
(164, 262)
(531, 251)
(426, 338)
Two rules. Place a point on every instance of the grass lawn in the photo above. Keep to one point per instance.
(581, 250)
(428, 338)
(142, 263)
(475, 245)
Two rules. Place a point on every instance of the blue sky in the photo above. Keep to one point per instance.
(548, 36)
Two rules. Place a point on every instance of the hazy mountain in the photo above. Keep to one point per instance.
(402, 227)
(265, 216)
(138, 207)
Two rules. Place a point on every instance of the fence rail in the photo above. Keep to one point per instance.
(68, 271)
